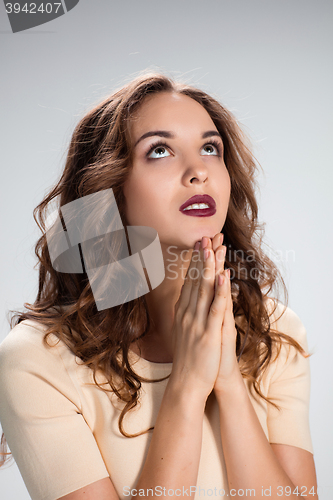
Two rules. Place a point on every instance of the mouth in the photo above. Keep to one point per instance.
(200, 205)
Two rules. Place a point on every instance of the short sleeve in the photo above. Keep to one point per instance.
(289, 388)
(41, 418)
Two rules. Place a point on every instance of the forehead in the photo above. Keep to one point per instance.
(170, 111)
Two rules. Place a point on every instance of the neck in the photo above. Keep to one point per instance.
(157, 344)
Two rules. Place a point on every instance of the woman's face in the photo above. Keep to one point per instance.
(177, 154)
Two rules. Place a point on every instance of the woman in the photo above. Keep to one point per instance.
(228, 414)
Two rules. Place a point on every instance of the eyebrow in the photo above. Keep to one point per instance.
(169, 135)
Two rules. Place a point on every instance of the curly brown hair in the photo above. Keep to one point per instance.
(99, 157)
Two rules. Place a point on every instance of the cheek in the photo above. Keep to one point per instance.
(141, 197)
(131, 195)
(226, 184)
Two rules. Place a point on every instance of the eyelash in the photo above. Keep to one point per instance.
(214, 143)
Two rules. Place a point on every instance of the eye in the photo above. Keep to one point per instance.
(211, 149)
(158, 151)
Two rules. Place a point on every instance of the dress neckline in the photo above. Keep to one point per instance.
(151, 367)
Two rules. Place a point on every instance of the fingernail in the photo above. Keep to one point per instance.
(197, 245)
(221, 279)
(206, 253)
(204, 242)
(222, 238)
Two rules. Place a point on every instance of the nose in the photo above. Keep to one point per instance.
(196, 173)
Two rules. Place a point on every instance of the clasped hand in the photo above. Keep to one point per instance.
(204, 332)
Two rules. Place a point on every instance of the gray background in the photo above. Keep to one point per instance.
(270, 62)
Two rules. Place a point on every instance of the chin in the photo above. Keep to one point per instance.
(209, 232)
(183, 244)
(186, 235)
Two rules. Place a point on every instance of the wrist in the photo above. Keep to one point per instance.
(233, 387)
(185, 393)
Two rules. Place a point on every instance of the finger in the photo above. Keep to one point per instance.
(219, 261)
(204, 276)
(201, 301)
(229, 331)
(185, 292)
(217, 241)
(218, 306)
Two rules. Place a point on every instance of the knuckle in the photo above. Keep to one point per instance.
(196, 282)
(214, 310)
(178, 314)
(187, 281)
(185, 320)
(221, 293)
(193, 328)
(202, 292)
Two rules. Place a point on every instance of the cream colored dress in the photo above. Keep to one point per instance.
(63, 430)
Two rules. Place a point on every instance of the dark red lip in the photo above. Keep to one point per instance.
(200, 212)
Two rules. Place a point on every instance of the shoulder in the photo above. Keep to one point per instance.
(288, 362)
(26, 339)
(284, 320)
(24, 355)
